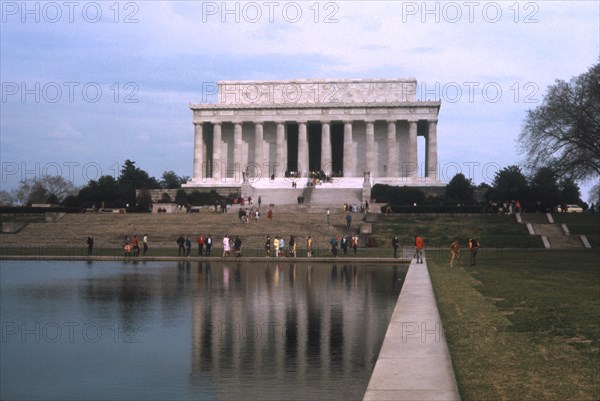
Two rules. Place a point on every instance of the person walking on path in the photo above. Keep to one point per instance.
(454, 252)
(327, 213)
(145, 244)
(419, 245)
(348, 220)
(309, 246)
(270, 214)
(473, 248)
(90, 244)
(395, 244)
(181, 245)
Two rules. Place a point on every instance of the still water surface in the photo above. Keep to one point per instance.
(192, 330)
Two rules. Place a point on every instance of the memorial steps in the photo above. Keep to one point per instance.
(163, 230)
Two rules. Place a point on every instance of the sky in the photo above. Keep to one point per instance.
(89, 84)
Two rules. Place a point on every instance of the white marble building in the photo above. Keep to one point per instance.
(265, 131)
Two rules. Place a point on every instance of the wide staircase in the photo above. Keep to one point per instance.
(110, 230)
(554, 236)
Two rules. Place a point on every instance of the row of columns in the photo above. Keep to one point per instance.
(326, 155)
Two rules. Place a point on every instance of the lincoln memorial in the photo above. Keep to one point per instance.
(321, 133)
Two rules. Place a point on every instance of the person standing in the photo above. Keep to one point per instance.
(281, 246)
(395, 244)
(291, 245)
(188, 246)
(90, 244)
(270, 214)
(145, 244)
(259, 201)
(208, 244)
(348, 220)
(345, 244)
(181, 245)
(454, 252)
(201, 241)
(226, 247)
(334, 245)
(276, 246)
(309, 246)
(355, 243)
(136, 245)
(473, 248)
(237, 244)
(419, 245)
(267, 242)
(327, 213)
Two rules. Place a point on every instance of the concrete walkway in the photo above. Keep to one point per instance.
(414, 363)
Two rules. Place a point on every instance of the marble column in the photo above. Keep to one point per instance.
(258, 148)
(370, 139)
(198, 152)
(236, 163)
(302, 149)
(348, 154)
(326, 162)
(392, 154)
(431, 160)
(412, 169)
(280, 151)
(216, 159)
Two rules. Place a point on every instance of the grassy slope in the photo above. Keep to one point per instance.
(523, 326)
(492, 231)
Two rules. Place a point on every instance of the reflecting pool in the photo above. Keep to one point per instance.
(192, 330)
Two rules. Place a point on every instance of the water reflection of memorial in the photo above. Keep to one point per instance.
(290, 328)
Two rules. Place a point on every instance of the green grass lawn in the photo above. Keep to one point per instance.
(523, 326)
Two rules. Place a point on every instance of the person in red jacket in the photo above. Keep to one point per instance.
(419, 245)
(200, 241)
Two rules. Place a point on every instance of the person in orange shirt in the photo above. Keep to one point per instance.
(419, 245)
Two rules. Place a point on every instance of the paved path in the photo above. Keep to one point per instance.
(414, 363)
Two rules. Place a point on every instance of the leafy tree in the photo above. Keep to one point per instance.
(595, 195)
(170, 180)
(165, 198)
(564, 131)
(544, 189)
(510, 184)
(144, 201)
(133, 178)
(397, 195)
(569, 191)
(105, 192)
(460, 189)
(181, 197)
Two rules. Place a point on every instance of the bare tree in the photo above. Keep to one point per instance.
(37, 190)
(564, 132)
